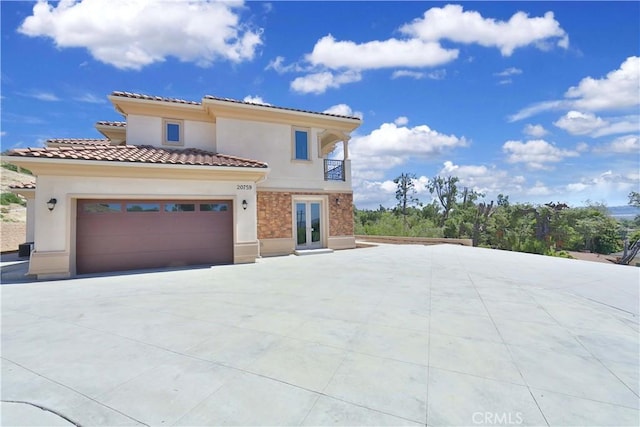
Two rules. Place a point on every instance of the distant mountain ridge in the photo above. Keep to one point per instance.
(623, 212)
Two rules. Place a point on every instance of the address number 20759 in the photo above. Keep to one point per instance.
(244, 187)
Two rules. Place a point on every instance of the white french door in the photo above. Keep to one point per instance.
(308, 224)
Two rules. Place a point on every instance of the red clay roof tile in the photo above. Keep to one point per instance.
(78, 141)
(139, 154)
(215, 98)
(114, 124)
(152, 98)
(23, 186)
(235, 101)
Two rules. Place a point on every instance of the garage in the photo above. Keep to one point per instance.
(116, 235)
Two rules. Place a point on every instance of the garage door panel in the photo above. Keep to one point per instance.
(105, 244)
(121, 240)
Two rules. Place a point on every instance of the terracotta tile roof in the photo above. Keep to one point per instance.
(152, 98)
(78, 141)
(138, 154)
(114, 124)
(215, 98)
(23, 186)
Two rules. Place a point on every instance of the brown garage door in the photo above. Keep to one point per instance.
(115, 235)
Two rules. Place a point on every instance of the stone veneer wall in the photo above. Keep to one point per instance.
(274, 214)
(341, 214)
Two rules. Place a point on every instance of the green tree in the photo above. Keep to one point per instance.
(405, 194)
(446, 192)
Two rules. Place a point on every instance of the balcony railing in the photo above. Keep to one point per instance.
(333, 170)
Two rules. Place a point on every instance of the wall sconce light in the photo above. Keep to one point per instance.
(338, 201)
(244, 205)
(51, 204)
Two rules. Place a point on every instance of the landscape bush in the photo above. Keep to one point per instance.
(9, 198)
(550, 229)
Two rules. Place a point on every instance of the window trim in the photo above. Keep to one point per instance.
(165, 124)
(294, 146)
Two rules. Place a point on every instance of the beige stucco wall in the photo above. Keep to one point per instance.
(54, 250)
(144, 130)
(272, 143)
(147, 130)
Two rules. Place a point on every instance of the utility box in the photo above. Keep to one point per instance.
(24, 249)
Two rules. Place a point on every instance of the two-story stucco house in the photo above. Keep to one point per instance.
(187, 183)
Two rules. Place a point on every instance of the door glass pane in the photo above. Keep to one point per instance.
(301, 223)
(315, 222)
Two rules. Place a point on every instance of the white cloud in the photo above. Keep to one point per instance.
(486, 180)
(538, 189)
(536, 153)
(536, 108)
(418, 75)
(319, 82)
(420, 47)
(629, 144)
(408, 73)
(576, 186)
(254, 100)
(371, 194)
(134, 34)
(537, 131)
(401, 121)
(512, 71)
(388, 186)
(391, 145)
(619, 89)
(3, 133)
(343, 110)
(333, 54)
(578, 123)
(41, 96)
(278, 66)
(451, 22)
(437, 74)
(605, 185)
(581, 147)
(616, 125)
(90, 98)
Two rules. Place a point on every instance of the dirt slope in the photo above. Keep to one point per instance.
(14, 216)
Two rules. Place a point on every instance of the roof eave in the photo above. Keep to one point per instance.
(71, 167)
(233, 109)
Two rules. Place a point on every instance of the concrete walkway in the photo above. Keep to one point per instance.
(389, 335)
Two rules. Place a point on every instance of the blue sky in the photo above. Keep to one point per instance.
(536, 100)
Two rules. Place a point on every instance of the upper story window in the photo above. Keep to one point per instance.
(172, 132)
(301, 144)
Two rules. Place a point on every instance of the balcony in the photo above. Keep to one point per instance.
(333, 170)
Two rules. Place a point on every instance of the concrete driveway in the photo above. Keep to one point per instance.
(389, 335)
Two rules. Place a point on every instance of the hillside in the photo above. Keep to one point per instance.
(14, 215)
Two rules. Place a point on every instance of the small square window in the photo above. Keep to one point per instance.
(173, 132)
(143, 207)
(214, 207)
(179, 207)
(301, 144)
(102, 207)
